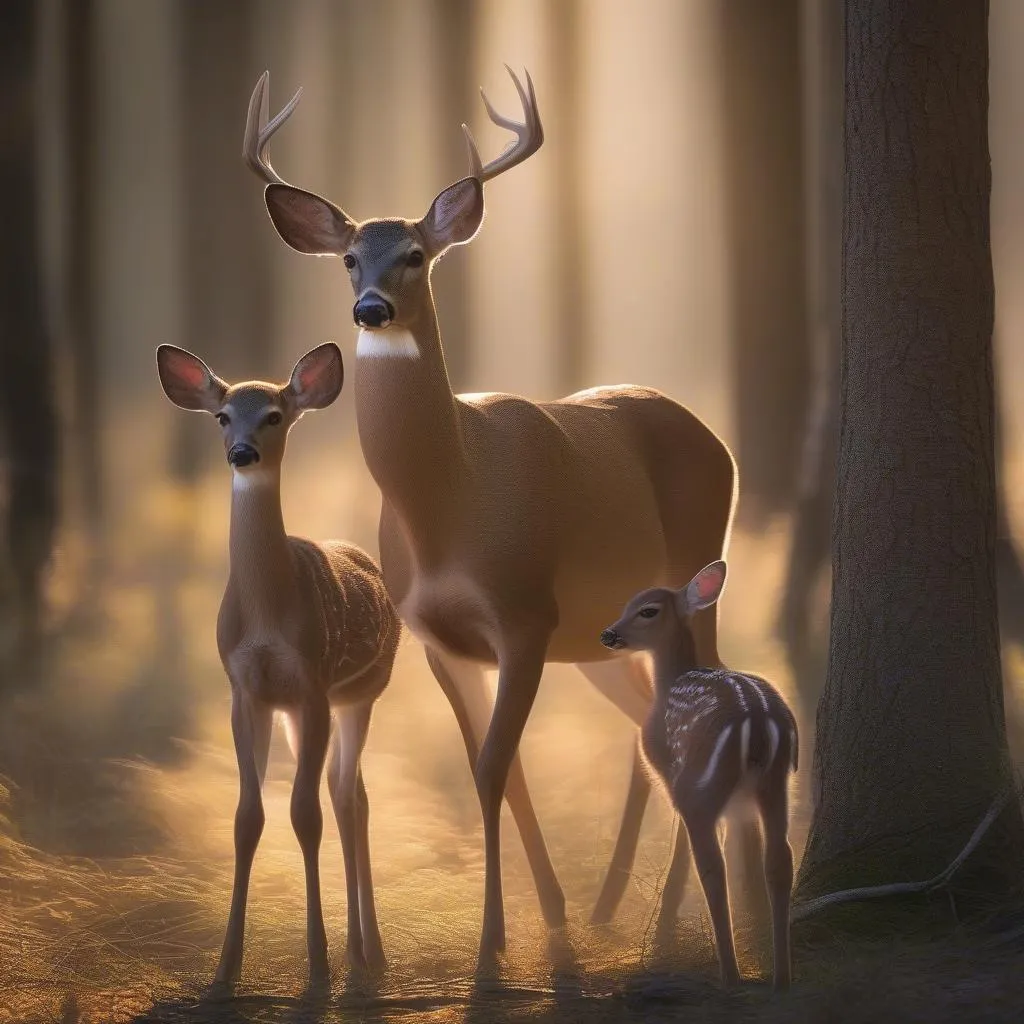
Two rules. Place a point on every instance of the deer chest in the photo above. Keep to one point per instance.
(452, 613)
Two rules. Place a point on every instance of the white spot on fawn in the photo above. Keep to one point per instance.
(744, 743)
(773, 742)
(716, 755)
(392, 342)
(759, 691)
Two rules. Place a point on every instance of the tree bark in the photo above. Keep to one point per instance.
(911, 737)
(760, 84)
(28, 413)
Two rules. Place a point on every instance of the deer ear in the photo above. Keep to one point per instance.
(703, 590)
(317, 378)
(187, 381)
(455, 215)
(308, 222)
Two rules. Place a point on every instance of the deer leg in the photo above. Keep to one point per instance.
(519, 675)
(624, 682)
(345, 785)
(373, 947)
(707, 854)
(464, 685)
(617, 877)
(308, 823)
(675, 881)
(250, 728)
(778, 874)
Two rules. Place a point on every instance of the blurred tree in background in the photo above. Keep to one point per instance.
(28, 393)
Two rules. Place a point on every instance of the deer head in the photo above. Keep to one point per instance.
(254, 416)
(388, 259)
(656, 618)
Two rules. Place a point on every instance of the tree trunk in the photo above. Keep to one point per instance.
(456, 39)
(822, 45)
(911, 739)
(567, 234)
(79, 47)
(760, 76)
(227, 276)
(28, 415)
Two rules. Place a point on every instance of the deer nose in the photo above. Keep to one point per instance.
(611, 639)
(242, 455)
(373, 311)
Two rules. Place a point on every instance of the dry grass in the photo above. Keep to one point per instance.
(115, 846)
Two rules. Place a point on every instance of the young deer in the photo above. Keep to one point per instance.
(510, 530)
(305, 628)
(712, 735)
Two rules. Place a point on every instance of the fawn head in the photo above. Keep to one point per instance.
(388, 259)
(254, 416)
(656, 617)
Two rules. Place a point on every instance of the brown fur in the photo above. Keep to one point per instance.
(305, 628)
(510, 530)
(710, 735)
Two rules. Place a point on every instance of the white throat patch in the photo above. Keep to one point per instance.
(395, 342)
(249, 479)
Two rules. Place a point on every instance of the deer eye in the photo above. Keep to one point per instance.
(274, 418)
(415, 258)
(349, 260)
(222, 418)
(649, 612)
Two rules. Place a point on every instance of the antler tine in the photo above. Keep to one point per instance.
(529, 133)
(258, 130)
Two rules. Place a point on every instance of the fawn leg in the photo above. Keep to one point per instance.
(250, 728)
(675, 881)
(308, 823)
(772, 802)
(707, 854)
(464, 685)
(519, 675)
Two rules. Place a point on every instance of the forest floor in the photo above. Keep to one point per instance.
(116, 856)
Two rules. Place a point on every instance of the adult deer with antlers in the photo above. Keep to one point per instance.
(511, 531)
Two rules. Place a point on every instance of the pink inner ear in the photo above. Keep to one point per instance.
(707, 583)
(190, 373)
(308, 375)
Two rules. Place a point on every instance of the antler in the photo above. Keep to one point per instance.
(529, 132)
(258, 130)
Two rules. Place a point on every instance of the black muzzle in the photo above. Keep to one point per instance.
(243, 455)
(612, 639)
(373, 311)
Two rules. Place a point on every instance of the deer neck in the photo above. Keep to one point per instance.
(408, 421)
(261, 573)
(673, 657)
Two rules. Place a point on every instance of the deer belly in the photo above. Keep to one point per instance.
(452, 615)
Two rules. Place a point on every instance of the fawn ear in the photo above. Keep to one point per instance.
(187, 381)
(317, 378)
(455, 215)
(308, 222)
(703, 590)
